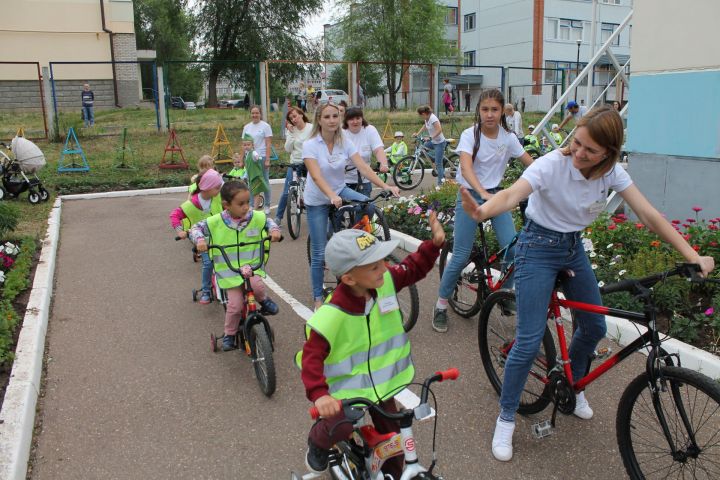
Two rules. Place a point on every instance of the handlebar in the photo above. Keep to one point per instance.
(687, 270)
(349, 403)
(384, 194)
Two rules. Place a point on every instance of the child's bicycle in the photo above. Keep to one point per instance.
(362, 457)
(346, 217)
(668, 419)
(476, 280)
(254, 332)
(409, 171)
(295, 202)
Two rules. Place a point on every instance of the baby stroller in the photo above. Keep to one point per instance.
(18, 171)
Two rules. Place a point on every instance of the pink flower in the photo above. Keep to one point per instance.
(621, 216)
(611, 227)
(639, 226)
(417, 210)
(709, 311)
(690, 220)
(713, 227)
(697, 208)
(675, 222)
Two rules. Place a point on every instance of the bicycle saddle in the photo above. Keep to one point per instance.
(372, 437)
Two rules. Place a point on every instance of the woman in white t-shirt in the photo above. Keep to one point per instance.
(514, 120)
(368, 142)
(437, 139)
(569, 188)
(326, 154)
(261, 133)
(485, 150)
(298, 129)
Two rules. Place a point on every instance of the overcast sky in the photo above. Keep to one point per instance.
(313, 26)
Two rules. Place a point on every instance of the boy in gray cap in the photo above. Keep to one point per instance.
(356, 345)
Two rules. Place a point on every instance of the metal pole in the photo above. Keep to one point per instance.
(593, 39)
(49, 107)
(577, 66)
(159, 81)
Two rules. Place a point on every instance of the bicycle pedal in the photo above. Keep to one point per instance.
(541, 430)
(602, 353)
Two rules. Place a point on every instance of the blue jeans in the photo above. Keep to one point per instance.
(318, 229)
(89, 116)
(365, 188)
(207, 269)
(463, 239)
(541, 255)
(266, 174)
(439, 151)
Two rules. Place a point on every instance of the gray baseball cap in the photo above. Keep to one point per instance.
(348, 249)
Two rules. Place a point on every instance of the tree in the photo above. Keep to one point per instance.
(166, 27)
(370, 77)
(396, 32)
(246, 30)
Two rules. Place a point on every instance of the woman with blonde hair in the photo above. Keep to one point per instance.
(569, 188)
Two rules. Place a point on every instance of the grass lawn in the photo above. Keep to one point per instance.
(196, 131)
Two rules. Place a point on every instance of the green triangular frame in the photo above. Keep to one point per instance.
(274, 155)
(77, 150)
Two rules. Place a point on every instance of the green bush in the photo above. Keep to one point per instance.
(17, 279)
(9, 218)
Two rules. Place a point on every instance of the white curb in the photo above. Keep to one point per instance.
(624, 331)
(17, 416)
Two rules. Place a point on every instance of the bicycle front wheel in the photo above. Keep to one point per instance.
(470, 289)
(261, 353)
(689, 404)
(496, 337)
(294, 213)
(408, 173)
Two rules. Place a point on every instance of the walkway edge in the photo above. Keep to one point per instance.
(17, 417)
(623, 331)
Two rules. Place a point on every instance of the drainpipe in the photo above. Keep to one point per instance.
(112, 51)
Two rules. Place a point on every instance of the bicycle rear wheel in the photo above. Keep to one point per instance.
(451, 163)
(262, 357)
(470, 289)
(294, 213)
(690, 405)
(496, 337)
(408, 173)
(329, 280)
(408, 299)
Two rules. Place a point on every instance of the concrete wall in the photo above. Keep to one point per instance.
(674, 118)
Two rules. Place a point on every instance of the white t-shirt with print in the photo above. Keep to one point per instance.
(514, 124)
(332, 167)
(562, 199)
(432, 130)
(366, 141)
(492, 158)
(259, 131)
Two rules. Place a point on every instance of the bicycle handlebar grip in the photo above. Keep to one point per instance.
(618, 287)
(177, 238)
(315, 414)
(449, 374)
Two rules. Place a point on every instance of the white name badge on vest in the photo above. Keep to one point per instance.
(252, 232)
(596, 207)
(388, 304)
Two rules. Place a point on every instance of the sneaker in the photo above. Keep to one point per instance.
(440, 322)
(267, 210)
(269, 307)
(205, 298)
(316, 459)
(502, 448)
(228, 343)
(582, 407)
(278, 222)
(508, 307)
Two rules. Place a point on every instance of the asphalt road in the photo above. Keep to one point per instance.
(132, 390)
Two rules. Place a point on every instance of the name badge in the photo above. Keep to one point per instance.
(252, 232)
(596, 207)
(388, 304)
(336, 157)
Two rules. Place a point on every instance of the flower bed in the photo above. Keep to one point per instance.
(622, 249)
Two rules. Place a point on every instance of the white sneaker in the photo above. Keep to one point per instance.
(502, 440)
(267, 210)
(582, 407)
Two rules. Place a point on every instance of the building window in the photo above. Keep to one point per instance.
(606, 30)
(469, 22)
(611, 2)
(571, 71)
(469, 58)
(451, 17)
(564, 29)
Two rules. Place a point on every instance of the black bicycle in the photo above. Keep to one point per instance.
(353, 214)
(295, 202)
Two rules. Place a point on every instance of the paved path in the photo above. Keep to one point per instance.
(133, 391)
